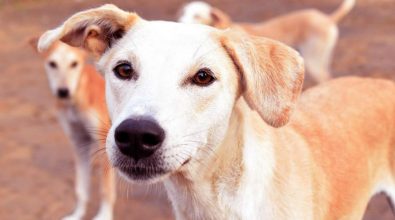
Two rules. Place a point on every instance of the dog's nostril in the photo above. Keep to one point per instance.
(150, 139)
(121, 137)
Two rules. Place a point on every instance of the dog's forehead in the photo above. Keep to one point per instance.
(62, 53)
(160, 41)
(161, 33)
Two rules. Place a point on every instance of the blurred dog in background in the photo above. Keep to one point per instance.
(82, 112)
(313, 33)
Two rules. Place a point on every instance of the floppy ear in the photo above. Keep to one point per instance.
(95, 29)
(271, 75)
(219, 18)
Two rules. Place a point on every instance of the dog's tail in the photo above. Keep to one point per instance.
(343, 10)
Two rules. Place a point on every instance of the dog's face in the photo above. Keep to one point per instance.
(186, 85)
(202, 13)
(171, 88)
(63, 65)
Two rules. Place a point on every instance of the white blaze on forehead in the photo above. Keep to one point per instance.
(157, 44)
(193, 9)
(63, 55)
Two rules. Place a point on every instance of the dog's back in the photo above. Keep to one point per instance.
(292, 28)
(362, 156)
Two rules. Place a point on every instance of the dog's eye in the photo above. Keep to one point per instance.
(203, 77)
(124, 71)
(74, 64)
(52, 64)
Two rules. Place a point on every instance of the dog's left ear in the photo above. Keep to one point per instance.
(271, 74)
(219, 19)
(95, 29)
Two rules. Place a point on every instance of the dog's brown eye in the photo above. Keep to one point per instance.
(74, 64)
(52, 64)
(124, 71)
(203, 77)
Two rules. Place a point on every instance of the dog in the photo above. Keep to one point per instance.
(216, 116)
(310, 31)
(82, 112)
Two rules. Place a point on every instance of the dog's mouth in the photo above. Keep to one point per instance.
(141, 173)
(147, 171)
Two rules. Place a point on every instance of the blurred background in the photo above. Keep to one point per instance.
(36, 162)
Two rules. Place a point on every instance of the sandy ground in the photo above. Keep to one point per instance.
(37, 174)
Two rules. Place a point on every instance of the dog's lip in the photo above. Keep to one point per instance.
(147, 173)
(141, 172)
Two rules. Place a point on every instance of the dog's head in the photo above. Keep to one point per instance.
(63, 65)
(171, 87)
(202, 13)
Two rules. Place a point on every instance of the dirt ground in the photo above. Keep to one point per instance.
(37, 174)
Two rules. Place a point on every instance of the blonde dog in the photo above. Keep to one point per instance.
(310, 31)
(208, 113)
(82, 112)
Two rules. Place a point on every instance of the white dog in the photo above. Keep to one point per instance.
(196, 108)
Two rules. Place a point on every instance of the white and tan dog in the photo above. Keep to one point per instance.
(310, 31)
(83, 115)
(201, 109)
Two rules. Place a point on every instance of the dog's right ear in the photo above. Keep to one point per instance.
(219, 19)
(95, 29)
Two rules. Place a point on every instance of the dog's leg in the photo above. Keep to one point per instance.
(82, 142)
(390, 203)
(82, 184)
(389, 191)
(108, 191)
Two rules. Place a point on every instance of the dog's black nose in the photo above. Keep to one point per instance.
(63, 93)
(139, 138)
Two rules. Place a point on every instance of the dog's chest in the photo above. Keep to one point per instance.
(75, 125)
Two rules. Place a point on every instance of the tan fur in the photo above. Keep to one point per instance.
(260, 76)
(334, 154)
(319, 171)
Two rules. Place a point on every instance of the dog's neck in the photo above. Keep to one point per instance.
(212, 187)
